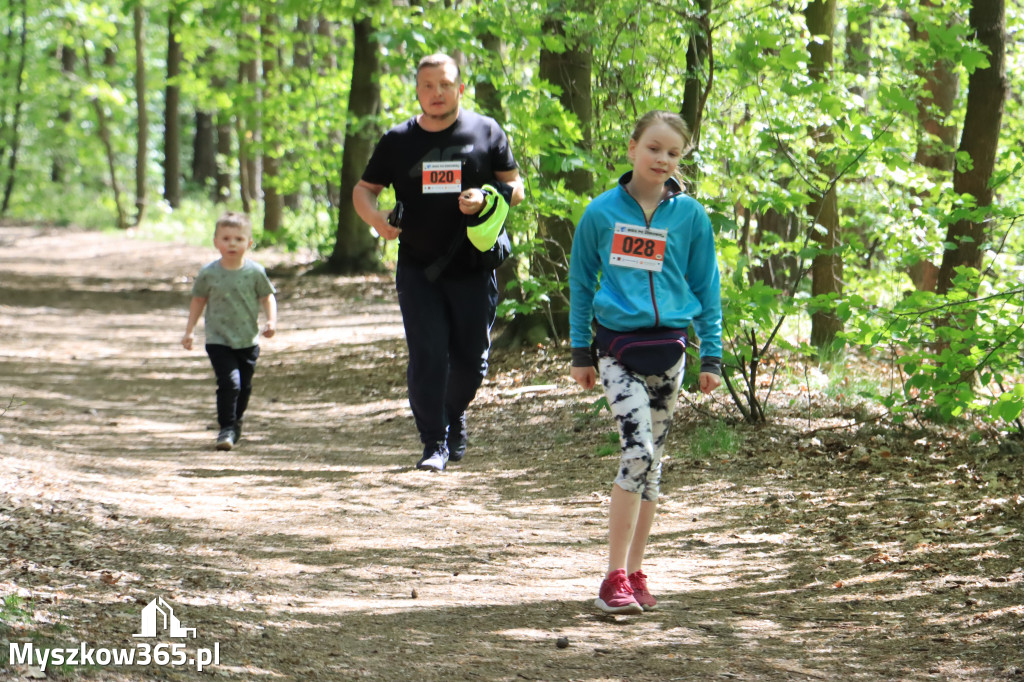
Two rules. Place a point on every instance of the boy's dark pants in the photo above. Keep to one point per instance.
(448, 331)
(234, 368)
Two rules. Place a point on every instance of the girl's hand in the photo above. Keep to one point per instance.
(709, 382)
(186, 341)
(584, 376)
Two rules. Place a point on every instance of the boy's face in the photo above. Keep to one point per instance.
(231, 241)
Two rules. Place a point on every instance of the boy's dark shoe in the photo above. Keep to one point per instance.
(457, 439)
(226, 438)
(435, 457)
(238, 430)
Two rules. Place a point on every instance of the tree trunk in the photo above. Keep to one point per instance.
(827, 268)
(336, 137)
(248, 128)
(302, 62)
(204, 150)
(273, 202)
(698, 76)
(355, 249)
(58, 167)
(222, 189)
(986, 94)
(10, 142)
(142, 118)
(936, 136)
(569, 71)
(103, 129)
(172, 120)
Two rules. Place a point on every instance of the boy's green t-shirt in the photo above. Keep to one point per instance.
(233, 302)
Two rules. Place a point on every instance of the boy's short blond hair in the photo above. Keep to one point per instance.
(234, 219)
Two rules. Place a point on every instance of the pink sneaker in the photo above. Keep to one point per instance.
(638, 581)
(616, 596)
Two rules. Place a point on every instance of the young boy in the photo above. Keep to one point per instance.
(232, 290)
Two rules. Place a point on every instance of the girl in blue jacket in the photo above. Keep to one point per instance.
(643, 268)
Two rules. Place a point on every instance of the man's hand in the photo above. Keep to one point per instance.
(384, 228)
(471, 201)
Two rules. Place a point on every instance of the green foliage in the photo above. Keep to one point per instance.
(711, 439)
(13, 610)
(757, 167)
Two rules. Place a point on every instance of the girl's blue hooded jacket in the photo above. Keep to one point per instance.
(623, 299)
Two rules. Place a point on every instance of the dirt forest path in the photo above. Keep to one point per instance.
(315, 551)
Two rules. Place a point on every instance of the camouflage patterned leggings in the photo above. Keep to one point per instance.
(643, 407)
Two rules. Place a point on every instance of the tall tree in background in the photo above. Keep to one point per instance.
(142, 129)
(247, 121)
(986, 95)
(566, 63)
(698, 72)
(827, 268)
(58, 165)
(12, 77)
(273, 201)
(354, 246)
(172, 120)
(105, 135)
(937, 135)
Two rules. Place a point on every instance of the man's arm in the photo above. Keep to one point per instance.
(364, 199)
(511, 178)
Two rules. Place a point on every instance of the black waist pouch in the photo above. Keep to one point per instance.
(644, 351)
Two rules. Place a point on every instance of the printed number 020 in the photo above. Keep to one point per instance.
(638, 246)
(441, 177)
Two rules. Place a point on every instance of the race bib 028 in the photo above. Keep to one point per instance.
(634, 246)
(442, 177)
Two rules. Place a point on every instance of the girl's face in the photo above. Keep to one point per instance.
(657, 153)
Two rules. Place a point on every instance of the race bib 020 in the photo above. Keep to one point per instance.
(638, 247)
(442, 177)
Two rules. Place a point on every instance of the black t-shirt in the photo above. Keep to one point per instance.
(474, 147)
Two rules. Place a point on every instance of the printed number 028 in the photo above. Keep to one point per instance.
(638, 246)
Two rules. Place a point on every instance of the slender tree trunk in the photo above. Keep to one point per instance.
(570, 71)
(222, 186)
(248, 129)
(302, 62)
(142, 118)
(698, 74)
(172, 120)
(273, 201)
(986, 95)
(336, 137)
(937, 134)
(104, 133)
(58, 167)
(827, 268)
(10, 142)
(355, 248)
(204, 149)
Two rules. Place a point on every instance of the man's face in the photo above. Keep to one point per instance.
(439, 91)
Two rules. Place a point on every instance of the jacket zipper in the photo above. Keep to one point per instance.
(650, 275)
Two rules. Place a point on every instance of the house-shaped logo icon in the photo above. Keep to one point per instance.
(159, 611)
